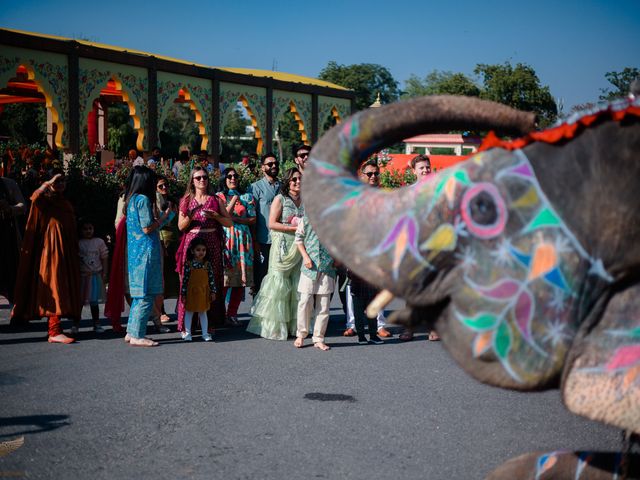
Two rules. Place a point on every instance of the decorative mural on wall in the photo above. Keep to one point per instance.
(132, 81)
(254, 100)
(50, 72)
(199, 92)
(300, 105)
(331, 106)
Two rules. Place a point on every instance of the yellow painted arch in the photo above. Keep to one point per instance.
(48, 99)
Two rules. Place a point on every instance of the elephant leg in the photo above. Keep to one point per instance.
(561, 465)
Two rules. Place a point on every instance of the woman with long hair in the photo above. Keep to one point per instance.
(202, 214)
(275, 307)
(238, 272)
(118, 275)
(143, 252)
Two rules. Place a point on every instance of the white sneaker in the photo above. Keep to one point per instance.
(98, 329)
(186, 337)
(207, 337)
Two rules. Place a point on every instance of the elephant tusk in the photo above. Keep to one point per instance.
(381, 300)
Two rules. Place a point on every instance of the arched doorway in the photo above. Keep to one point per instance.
(290, 132)
(182, 125)
(98, 130)
(238, 137)
(331, 120)
(27, 113)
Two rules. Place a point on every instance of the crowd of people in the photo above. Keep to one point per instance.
(205, 249)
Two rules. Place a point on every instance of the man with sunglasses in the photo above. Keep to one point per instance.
(302, 154)
(370, 174)
(421, 167)
(264, 191)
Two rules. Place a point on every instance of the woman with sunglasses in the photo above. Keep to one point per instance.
(202, 214)
(238, 272)
(169, 238)
(275, 307)
(48, 281)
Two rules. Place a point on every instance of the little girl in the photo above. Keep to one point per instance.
(94, 257)
(198, 288)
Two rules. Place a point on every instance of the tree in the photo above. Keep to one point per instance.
(25, 123)
(288, 136)
(440, 83)
(518, 87)
(120, 133)
(179, 129)
(622, 81)
(366, 79)
(235, 141)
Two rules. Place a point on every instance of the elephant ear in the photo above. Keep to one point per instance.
(602, 373)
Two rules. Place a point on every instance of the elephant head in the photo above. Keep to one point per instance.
(525, 260)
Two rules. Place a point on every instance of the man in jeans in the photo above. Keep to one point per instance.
(369, 174)
(264, 191)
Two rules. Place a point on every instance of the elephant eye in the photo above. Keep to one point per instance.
(483, 211)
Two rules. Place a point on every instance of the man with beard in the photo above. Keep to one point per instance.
(264, 191)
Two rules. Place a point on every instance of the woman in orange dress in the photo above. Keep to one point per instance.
(48, 282)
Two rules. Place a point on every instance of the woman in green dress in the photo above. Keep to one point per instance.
(274, 309)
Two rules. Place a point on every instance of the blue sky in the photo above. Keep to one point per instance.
(570, 44)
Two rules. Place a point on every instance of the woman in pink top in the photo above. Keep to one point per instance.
(202, 214)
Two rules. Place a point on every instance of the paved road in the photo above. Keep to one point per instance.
(236, 409)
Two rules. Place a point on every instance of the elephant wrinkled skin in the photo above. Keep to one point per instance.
(526, 260)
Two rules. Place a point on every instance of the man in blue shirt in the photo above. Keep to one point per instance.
(264, 191)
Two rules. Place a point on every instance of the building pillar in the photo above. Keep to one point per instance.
(267, 146)
(314, 118)
(73, 90)
(215, 118)
(51, 139)
(152, 101)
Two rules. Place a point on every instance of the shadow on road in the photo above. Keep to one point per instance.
(43, 423)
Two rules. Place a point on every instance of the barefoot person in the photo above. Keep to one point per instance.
(144, 253)
(48, 282)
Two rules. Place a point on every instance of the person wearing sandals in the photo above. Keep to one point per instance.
(421, 167)
(316, 285)
(238, 272)
(144, 253)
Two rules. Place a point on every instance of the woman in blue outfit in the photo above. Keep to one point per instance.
(144, 253)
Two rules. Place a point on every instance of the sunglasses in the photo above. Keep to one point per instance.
(372, 174)
(269, 164)
(232, 176)
(162, 186)
(303, 154)
(295, 179)
(201, 178)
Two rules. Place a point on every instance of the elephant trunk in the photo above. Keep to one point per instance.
(375, 232)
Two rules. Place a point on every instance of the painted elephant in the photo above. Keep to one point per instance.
(525, 258)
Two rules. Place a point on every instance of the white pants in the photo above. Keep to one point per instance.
(204, 323)
(351, 322)
(305, 309)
